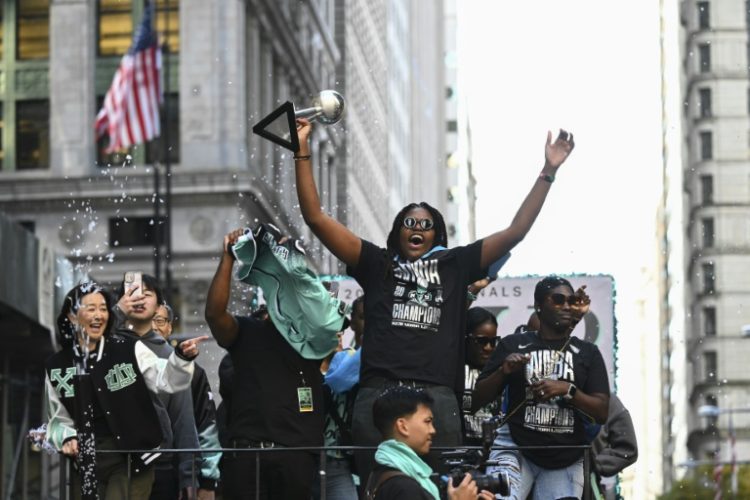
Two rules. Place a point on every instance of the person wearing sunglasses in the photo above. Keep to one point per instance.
(415, 291)
(481, 339)
(556, 383)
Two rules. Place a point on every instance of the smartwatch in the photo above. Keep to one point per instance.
(572, 389)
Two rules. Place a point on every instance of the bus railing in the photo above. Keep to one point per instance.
(66, 468)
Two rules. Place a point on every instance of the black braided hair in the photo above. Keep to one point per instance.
(441, 234)
(477, 316)
(545, 286)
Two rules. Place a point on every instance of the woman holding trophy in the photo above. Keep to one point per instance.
(415, 293)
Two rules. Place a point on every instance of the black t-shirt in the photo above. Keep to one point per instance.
(265, 404)
(399, 487)
(551, 423)
(415, 313)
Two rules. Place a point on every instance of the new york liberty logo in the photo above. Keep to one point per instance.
(63, 383)
(119, 376)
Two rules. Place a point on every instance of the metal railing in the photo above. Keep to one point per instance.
(66, 483)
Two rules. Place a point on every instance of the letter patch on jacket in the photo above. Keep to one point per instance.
(63, 384)
(120, 376)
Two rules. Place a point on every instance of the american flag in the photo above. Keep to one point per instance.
(130, 114)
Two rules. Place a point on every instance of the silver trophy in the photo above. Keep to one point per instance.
(280, 126)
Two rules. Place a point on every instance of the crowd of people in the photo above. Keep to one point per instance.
(425, 369)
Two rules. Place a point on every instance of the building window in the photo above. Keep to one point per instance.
(28, 225)
(709, 321)
(452, 126)
(134, 232)
(704, 103)
(32, 134)
(706, 141)
(711, 400)
(704, 57)
(709, 366)
(707, 226)
(707, 189)
(32, 29)
(704, 21)
(170, 130)
(709, 277)
(115, 27)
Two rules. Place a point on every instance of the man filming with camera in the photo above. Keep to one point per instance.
(404, 418)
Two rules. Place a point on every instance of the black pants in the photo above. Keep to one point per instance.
(283, 475)
(166, 484)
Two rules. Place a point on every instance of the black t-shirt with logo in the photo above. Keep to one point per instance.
(552, 423)
(265, 403)
(415, 313)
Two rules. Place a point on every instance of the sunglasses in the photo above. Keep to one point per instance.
(484, 341)
(559, 299)
(411, 223)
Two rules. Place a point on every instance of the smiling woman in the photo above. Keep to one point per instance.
(121, 374)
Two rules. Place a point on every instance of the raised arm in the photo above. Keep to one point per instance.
(223, 325)
(498, 244)
(336, 237)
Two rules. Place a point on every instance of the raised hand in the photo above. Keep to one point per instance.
(230, 239)
(582, 305)
(556, 153)
(304, 128)
(132, 298)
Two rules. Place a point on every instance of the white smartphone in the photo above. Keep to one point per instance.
(134, 279)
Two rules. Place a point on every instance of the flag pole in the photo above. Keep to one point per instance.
(157, 228)
(167, 163)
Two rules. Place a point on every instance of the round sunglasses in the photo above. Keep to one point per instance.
(411, 223)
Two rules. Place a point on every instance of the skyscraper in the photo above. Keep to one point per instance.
(716, 167)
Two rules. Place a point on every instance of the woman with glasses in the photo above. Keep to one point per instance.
(415, 292)
(481, 339)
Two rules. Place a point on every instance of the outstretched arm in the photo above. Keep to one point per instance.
(501, 242)
(223, 325)
(336, 237)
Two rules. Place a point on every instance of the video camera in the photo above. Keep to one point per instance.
(461, 461)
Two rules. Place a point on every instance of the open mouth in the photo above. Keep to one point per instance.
(416, 239)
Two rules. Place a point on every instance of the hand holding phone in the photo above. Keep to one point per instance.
(133, 283)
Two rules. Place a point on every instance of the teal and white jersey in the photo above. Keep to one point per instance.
(300, 307)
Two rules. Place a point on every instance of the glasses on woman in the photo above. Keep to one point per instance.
(559, 299)
(411, 223)
(484, 341)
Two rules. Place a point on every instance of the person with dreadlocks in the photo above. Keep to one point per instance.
(415, 291)
(123, 375)
(556, 384)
